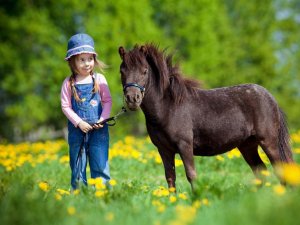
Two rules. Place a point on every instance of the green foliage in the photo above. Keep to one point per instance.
(218, 42)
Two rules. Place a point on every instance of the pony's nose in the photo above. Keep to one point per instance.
(133, 98)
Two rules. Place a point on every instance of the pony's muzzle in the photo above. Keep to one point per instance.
(133, 98)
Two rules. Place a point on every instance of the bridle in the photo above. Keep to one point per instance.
(142, 89)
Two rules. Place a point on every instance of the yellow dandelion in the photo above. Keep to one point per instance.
(182, 196)
(109, 216)
(172, 189)
(63, 192)
(71, 210)
(220, 158)
(178, 162)
(44, 186)
(196, 204)
(266, 173)
(279, 189)
(112, 182)
(161, 208)
(100, 186)
(290, 173)
(172, 199)
(100, 193)
(58, 197)
(205, 201)
(76, 192)
(257, 181)
(91, 181)
(268, 184)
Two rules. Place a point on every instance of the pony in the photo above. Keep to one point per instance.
(182, 118)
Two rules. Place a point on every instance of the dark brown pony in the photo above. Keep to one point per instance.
(185, 119)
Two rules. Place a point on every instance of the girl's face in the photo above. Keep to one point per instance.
(84, 63)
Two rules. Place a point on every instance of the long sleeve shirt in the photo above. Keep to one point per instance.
(104, 92)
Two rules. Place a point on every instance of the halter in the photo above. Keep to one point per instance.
(142, 89)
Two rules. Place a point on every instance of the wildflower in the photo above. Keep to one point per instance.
(172, 189)
(172, 199)
(109, 216)
(266, 173)
(100, 193)
(182, 196)
(58, 197)
(44, 186)
(279, 189)
(290, 173)
(268, 184)
(71, 210)
(205, 201)
(76, 192)
(196, 204)
(220, 158)
(112, 182)
(257, 182)
(63, 192)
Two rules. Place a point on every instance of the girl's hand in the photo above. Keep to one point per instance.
(84, 126)
(97, 126)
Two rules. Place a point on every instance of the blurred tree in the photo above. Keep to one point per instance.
(220, 42)
(202, 34)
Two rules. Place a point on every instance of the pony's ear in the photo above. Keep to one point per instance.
(143, 49)
(122, 52)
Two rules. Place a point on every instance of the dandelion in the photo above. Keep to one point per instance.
(58, 197)
(71, 210)
(279, 189)
(290, 173)
(266, 173)
(196, 204)
(205, 201)
(44, 186)
(76, 192)
(257, 182)
(172, 189)
(172, 199)
(182, 196)
(100, 193)
(112, 182)
(63, 192)
(267, 184)
(178, 162)
(220, 158)
(109, 216)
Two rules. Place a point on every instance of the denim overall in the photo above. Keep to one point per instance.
(92, 145)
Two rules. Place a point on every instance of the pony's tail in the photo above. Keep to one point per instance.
(284, 140)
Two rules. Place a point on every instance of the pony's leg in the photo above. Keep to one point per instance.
(271, 149)
(187, 156)
(250, 153)
(168, 159)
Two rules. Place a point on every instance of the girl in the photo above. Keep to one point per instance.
(86, 100)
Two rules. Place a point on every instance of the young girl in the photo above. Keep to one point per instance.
(86, 100)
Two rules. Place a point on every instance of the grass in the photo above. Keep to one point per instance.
(34, 184)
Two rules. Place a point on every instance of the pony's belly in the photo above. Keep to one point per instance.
(206, 150)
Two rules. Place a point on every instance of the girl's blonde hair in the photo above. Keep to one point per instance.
(99, 64)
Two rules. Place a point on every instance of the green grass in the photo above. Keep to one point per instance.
(227, 185)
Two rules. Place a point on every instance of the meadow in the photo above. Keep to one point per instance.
(34, 188)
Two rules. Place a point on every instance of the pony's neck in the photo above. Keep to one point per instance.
(153, 103)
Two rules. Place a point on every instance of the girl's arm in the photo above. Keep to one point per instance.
(105, 97)
(66, 104)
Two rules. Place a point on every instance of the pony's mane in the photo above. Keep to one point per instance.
(168, 77)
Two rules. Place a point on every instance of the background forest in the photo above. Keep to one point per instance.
(220, 42)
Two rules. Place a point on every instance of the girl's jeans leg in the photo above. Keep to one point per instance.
(98, 154)
(78, 168)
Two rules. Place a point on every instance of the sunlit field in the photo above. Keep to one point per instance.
(34, 188)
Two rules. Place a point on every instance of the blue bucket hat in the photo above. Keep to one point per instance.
(80, 43)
